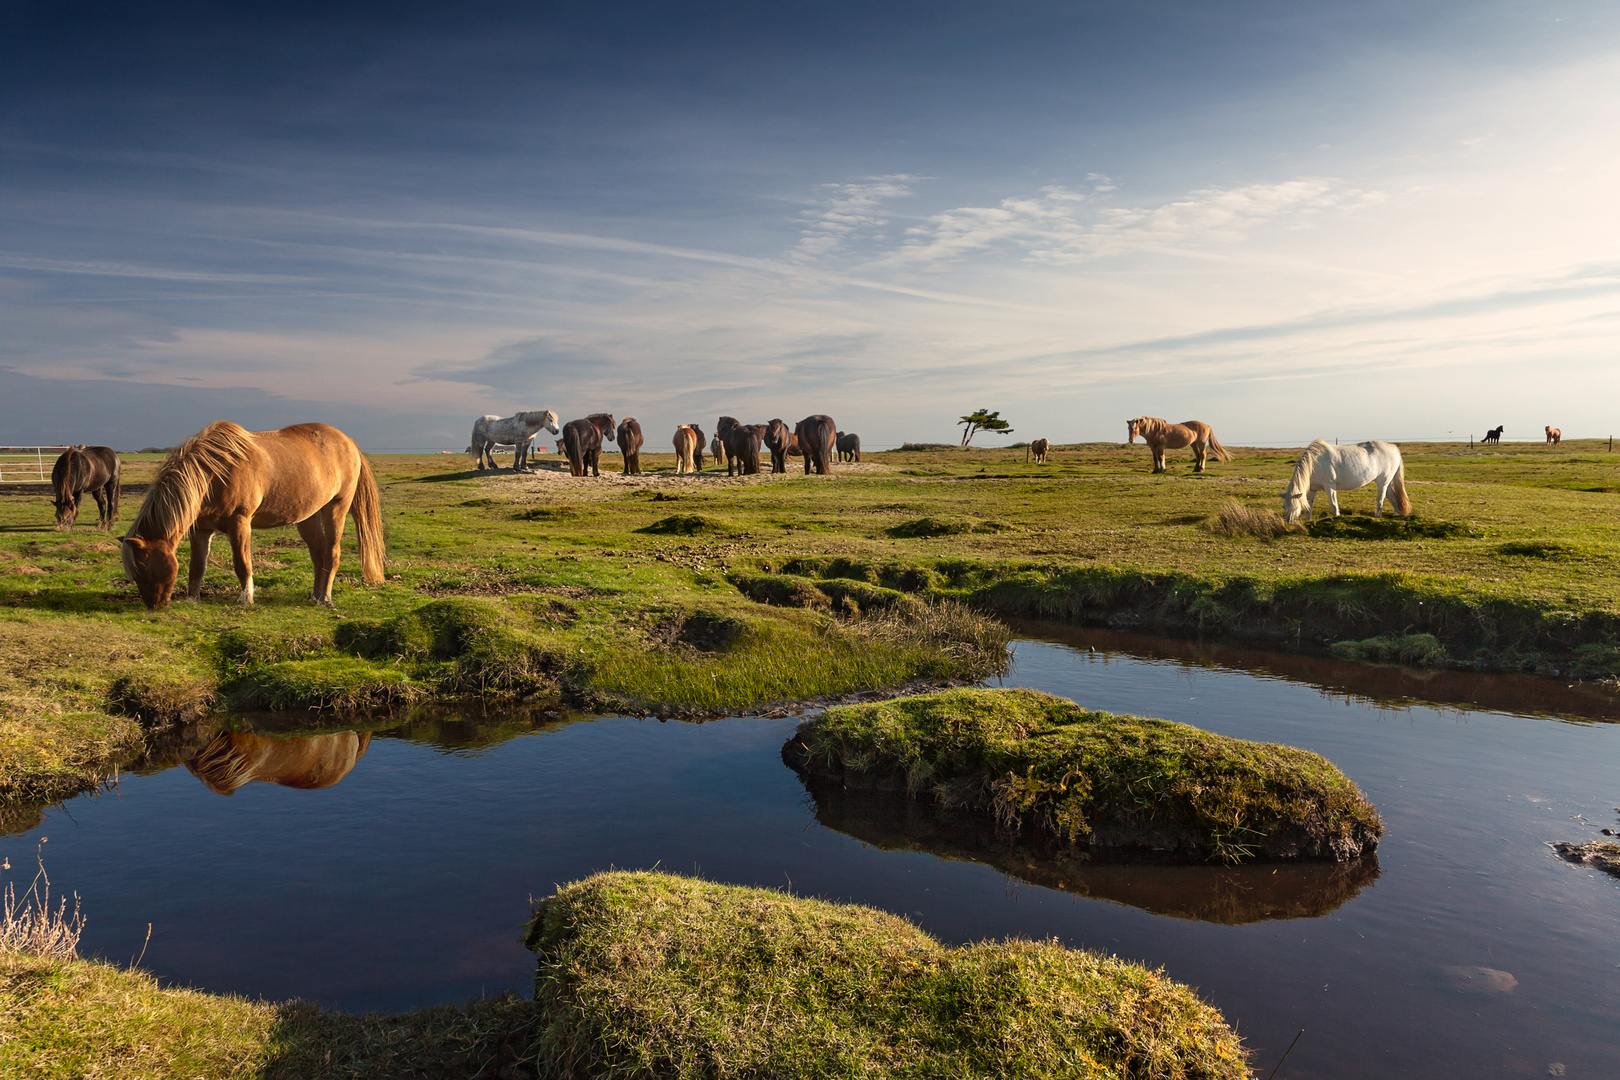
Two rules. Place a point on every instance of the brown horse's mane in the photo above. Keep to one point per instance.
(183, 480)
(603, 422)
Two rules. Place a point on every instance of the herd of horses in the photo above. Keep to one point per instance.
(228, 480)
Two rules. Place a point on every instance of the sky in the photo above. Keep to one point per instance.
(1290, 219)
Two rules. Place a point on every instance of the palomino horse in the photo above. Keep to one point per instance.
(817, 436)
(687, 441)
(742, 449)
(1161, 435)
(1037, 450)
(778, 438)
(516, 431)
(630, 444)
(1494, 435)
(1322, 467)
(1554, 436)
(226, 479)
(582, 442)
(81, 469)
(236, 758)
(848, 445)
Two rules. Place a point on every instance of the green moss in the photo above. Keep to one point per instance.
(1037, 762)
(1423, 650)
(332, 682)
(646, 974)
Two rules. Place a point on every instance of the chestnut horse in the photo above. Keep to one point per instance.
(849, 446)
(1554, 436)
(226, 479)
(687, 441)
(81, 469)
(1037, 450)
(816, 438)
(582, 442)
(1161, 435)
(778, 438)
(742, 449)
(630, 445)
(236, 758)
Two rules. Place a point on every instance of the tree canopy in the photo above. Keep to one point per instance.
(983, 420)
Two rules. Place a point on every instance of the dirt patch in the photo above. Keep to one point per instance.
(550, 477)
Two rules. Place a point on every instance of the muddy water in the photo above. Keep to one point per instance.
(391, 868)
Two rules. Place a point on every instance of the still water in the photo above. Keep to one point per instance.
(1465, 949)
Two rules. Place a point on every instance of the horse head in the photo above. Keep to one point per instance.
(1133, 428)
(67, 507)
(152, 566)
(603, 423)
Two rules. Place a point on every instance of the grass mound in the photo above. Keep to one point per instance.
(1355, 527)
(649, 974)
(462, 646)
(331, 682)
(1546, 550)
(1236, 519)
(242, 648)
(1031, 760)
(781, 590)
(159, 696)
(923, 527)
(1423, 650)
(685, 525)
(547, 513)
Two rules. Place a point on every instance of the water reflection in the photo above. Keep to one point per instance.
(235, 758)
(1231, 895)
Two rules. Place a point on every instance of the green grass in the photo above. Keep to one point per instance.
(646, 974)
(1043, 764)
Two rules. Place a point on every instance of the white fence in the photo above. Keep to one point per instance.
(28, 464)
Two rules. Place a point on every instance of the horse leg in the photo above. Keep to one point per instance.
(1198, 455)
(1310, 504)
(239, 531)
(201, 539)
(1333, 500)
(1158, 459)
(1382, 488)
(103, 518)
(323, 535)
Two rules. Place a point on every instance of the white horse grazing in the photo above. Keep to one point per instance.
(516, 431)
(1333, 469)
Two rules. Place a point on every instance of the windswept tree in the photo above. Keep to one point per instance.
(983, 420)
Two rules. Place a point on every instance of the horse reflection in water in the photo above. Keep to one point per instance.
(237, 758)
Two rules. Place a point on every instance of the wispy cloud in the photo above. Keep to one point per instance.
(846, 210)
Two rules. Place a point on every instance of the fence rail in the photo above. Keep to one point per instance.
(22, 464)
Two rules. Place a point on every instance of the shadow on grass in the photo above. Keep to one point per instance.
(495, 1037)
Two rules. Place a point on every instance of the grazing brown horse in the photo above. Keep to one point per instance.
(816, 436)
(777, 438)
(687, 441)
(742, 449)
(1161, 435)
(80, 469)
(1554, 436)
(849, 446)
(1037, 450)
(630, 445)
(582, 442)
(226, 479)
(235, 758)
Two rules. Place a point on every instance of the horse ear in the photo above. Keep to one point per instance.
(135, 542)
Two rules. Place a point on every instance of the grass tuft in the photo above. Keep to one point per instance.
(685, 525)
(31, 926)
(1546, 550)
(1236, 519)
(330, 682)
(1423, 650)
(1356, 527)
(163, 696)
(923, 527)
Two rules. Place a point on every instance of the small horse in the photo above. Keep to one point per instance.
(582, 442)
(817, 435)
(718, 450)
(1037, 450)
(778, 438)
(1554, 436)
(236, 758)
(226, 479)
(80, 469)
(849, 446)
(742, 449)
(1333, 469)
(1161, 435)
(516, 431)
(687, 440)
(1494, 435)
(630, 445)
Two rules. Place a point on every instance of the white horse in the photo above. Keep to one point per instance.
(516, 431)
(1333, 469)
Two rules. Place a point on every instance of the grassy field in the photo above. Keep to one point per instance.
(680, 595)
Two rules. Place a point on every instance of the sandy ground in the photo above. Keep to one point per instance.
(550, 477)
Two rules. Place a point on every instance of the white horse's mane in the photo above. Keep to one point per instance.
(1301, 481)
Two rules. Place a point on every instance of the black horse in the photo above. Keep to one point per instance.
(742, 449)
(849, 446)
(80, 469)
(777, 439)
(582, 442)
(630, 441)
(1494, 435)
(817, 435)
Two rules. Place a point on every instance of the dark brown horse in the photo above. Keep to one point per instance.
(722, 453)
(81, 469)
(226, 479)
(1038, 450)
(237, 758)
(817, 436)
(849, 446)
(697, 451)
(582, 442)
(630, 445)
(777, 439)
(742, 449)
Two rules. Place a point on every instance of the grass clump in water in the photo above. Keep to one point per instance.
(1236, 519)
(330, 682)
(1423, 650)
(1031, 760)
(650, 974)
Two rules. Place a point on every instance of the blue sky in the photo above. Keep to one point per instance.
(1289, 219)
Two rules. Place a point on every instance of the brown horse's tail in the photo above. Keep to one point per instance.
(117, 486)
(368, 524)
(1221, 453)
(1397, 490)
(575, 452)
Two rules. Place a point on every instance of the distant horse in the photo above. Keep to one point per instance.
(1037, 450)
(226, 479)
(718, 449)
(630, 445)
(1494, 435)
(582, 442)
(1554, 436)
(1161, 435)
(687, 440)
(516, 431)
(80, 469)
(237, 758)
(849, 446)
(1333, 469)
(777, 438)
(742, 449)
(816, 436)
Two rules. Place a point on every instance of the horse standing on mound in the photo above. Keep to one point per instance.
(226, 479)
(1322, 467)
(80, 469)
(1554, 436)
(516, 431)
(582, 442)
(630, 441)
(1161, 435)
